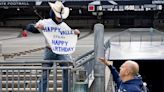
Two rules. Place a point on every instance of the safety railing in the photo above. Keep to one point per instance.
(137, 35)
(142, 39)
(85, 63)
(25, 76)
(88, 66)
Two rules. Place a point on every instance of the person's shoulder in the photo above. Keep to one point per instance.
(132, 88)
(47, 20)
(63, 24)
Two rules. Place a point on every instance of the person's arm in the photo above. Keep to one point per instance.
(31, 28)
(114, 72)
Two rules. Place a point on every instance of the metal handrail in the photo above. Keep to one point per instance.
(34, 62)
(84, 55)
(85, 63)
(129, 36)
(22, 70)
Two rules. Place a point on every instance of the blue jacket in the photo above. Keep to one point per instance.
(134, 85)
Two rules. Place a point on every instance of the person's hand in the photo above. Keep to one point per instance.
(77, 32)
(39, 26)
(106, 62)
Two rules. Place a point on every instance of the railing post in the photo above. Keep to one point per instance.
(1, 58)
(1, 80)
(55, 76)
(81, 85)
(99, 70)
(0, 48)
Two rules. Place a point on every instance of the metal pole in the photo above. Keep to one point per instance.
(99, 70)
(0, 48)
(55, 76)
(1, 58)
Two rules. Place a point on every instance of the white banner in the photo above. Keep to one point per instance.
(61, 38)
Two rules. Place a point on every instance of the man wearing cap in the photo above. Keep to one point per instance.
(58, 12)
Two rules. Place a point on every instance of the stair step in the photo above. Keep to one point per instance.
(27, 84)
(27, 77)
(28, 90)
(21, 72)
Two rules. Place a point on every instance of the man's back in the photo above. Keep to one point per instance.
(134, 85)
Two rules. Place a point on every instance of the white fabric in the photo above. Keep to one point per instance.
(61, 38)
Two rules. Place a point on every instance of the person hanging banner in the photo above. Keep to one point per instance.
(61, 39)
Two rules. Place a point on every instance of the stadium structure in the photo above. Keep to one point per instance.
(85, 13)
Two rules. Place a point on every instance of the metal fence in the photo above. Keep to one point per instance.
(136, 44)
(85, 63)
(25, 76)
(137, 35)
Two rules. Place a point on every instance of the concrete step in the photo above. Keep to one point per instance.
(27, 90)
(27, 84)
(25, 72)
(27, 77)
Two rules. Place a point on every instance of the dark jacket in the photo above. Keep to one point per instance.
(134, 85)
